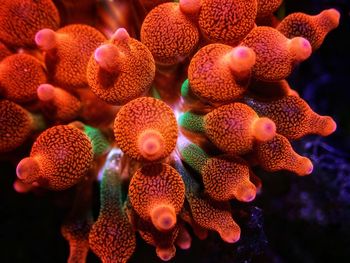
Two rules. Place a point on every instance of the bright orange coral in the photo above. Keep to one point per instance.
(227, 21)
(293, 117)
(244, 125)
(168, 24)
(313, 28)
(146, 129)
(21, 19)
(59, 158)
(277, 154)
(67, 52)
(217, 72)
(156, 193)
(57, 103)
(275, 54)
(121, 70)
(16, 125)
(20, 76)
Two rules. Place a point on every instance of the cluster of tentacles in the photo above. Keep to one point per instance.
(169, 112)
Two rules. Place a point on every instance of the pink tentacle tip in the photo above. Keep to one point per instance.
(231, 235)
(305, 166)
(121, 34)
(333, 14)
(300, 47)
(106, 56)
(27, 168)
(247, 192)
(190, 7)
(165, 254)
(46, 92)
(45, 39)
(242, 59)
(264, 129)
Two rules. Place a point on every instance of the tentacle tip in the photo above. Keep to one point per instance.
(46, 92)
(330, 126)
(101, 53)
(264, 129)
(45, 39)
(121, 34)
(106, 56)
(333, 15)
(151, 145)
(301, 48)
(163, 217)
(305, 167)
(20, 187)
(166, 254)
(247, 193)
(185, 244)
(27, 169)
(242, 59)
(190, 7)
(231, 236)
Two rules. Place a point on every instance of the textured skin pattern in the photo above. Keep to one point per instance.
(21, 19)
(267, 7)
(65, 155)
(313, 28)
(223, 175)
(139, 115)
(15, 125)
(134, 77)
(4, 52)
(20, 76)
(112, 238)
(229, 127)
(153, 185)
(67, 62)
(169, 34)
(292, 115)
(227, 21)
(210, 79)
(273, 59)
(213, 215)
(63, 107)
(278, 154)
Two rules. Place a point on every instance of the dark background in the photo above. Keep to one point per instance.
(294, 219)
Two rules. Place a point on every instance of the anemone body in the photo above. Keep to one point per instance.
(59, 158)
(20, 76)
(121, 71)
(21, 19)
(167, 24)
